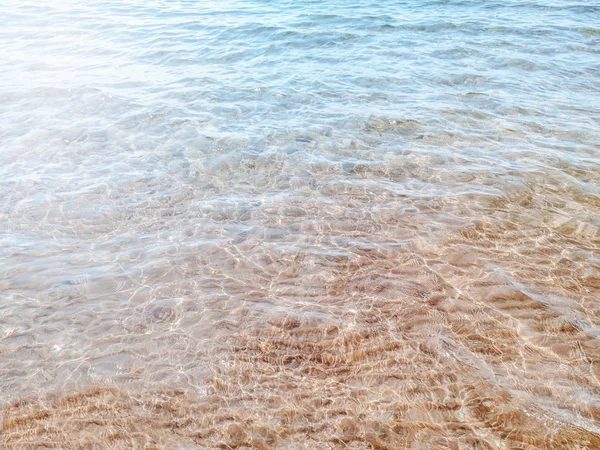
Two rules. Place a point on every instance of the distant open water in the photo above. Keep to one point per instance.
(363, 224)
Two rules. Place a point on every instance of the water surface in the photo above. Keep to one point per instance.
(285, 224)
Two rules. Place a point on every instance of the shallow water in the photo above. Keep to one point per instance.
(300, 224)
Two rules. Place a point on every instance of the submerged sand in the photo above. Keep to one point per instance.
(481, 337)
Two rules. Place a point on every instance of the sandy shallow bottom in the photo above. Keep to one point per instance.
(480, 337)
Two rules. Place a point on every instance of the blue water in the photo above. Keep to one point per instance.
(179, 175)
(254, 68)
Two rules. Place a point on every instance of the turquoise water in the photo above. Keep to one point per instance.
(181, 179)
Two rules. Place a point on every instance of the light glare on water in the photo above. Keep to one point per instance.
(300, 224)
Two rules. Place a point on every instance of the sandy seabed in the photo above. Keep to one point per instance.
(434, 348)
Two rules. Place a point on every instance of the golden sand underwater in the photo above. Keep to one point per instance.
(460, 339)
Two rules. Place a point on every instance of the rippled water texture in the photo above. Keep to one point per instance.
(316, 224)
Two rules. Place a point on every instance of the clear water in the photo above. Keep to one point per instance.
(285, 224)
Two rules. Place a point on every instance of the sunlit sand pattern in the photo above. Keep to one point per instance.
(478, 336)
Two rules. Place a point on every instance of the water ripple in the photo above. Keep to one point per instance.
(259, 223)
